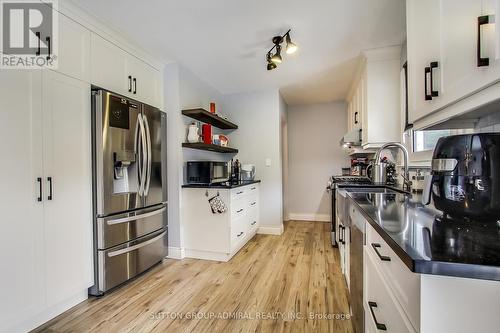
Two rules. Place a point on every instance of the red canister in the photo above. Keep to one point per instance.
(206, 131)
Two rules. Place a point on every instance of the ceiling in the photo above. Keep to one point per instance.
(224, 42)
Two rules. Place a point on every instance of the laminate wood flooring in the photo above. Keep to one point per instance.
(287, 283)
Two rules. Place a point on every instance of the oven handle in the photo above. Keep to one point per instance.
(135, 217)
(135, 247)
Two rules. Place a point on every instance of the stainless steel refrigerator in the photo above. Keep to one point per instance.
(130, 188)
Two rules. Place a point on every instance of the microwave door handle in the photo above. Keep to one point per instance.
(149, 155)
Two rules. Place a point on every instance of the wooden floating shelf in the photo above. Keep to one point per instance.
(209, 118)
(210, 147)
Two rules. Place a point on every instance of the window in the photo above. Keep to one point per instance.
(427, 140)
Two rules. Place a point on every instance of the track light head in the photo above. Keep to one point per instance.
(276, 58)
(290, 46)
(271, 66)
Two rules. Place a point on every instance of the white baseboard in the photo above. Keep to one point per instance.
(270, 230)
(50, 313)
(310, 217)
(176, 252)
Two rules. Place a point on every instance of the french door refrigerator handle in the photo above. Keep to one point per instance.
(149, 153)
(136, 217)
(135, 247)
(140, 146)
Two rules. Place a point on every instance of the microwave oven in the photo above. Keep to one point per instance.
(206, 172)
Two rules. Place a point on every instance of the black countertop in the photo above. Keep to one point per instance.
(227, 185)
(429, 243)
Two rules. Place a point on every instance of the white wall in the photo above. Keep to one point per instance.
(284, 154)
(183, 90)
(258, 138)
(314, 155)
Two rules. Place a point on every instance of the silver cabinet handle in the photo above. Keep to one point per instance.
(135, 247)
(136, 217)
(148, 144)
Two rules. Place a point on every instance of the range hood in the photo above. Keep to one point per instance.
(351, 138)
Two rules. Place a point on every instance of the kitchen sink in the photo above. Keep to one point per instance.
(370, 190)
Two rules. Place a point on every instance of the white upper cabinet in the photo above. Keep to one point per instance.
(374, 100)
(423, 30)
(108, 66)
(116, 70)
(452, 52)
(145, 81)
(73, 49)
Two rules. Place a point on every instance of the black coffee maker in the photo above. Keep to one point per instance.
(465, 180)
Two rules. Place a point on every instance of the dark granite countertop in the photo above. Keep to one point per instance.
(429, 243)
(227, 185)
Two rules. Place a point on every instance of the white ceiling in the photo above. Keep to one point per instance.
(224, 42)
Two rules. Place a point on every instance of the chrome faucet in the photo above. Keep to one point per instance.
(406, 176)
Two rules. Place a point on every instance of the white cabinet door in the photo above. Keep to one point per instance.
(108, 66)
(68, 186)
(73, 49)
(146, 81)
(423, 34)
(21, 248)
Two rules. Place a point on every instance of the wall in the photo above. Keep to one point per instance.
(284, 154)
(182, 90)
(314, 155)
(258, 139)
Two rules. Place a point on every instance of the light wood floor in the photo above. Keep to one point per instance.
(295, 274)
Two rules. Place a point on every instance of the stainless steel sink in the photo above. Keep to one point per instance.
(369, 190)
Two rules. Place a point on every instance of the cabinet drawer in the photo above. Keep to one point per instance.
(238, 208)
(404, 283)
(238, 193)
(238, 231)
(253, 220)
(252, 201)
(382, 311)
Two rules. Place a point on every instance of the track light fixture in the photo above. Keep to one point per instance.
(274, 59)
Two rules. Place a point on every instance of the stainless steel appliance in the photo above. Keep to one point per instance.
(466, 176)
(130, 188)
(335, 183)
(206, 172)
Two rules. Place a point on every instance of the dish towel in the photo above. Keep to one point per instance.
(217, 205)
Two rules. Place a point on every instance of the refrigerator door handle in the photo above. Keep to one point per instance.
(142, 164)
(135, 247)
(136, 217)
(149, 157)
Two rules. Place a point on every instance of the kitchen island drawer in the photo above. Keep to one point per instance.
(404, 283)
(239, 229)
(382, 310)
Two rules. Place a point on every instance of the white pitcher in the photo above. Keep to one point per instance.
(193, 135)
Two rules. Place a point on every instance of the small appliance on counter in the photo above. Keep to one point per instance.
(247, 172)
(465, 180)
(206, 172)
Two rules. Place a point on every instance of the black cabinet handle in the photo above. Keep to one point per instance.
(380, 326)
(239, 210)
(427, 71)
(253, 203)
(433, 65)
(356, 117)
(253, 223)
(49, 179)
(47, 39)
(130, 83)
(481, 20)
(39, 180)
(135, 85)
(239, 192)
(37, 34)
(239, 235)
(253, 188)
(383, 258)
